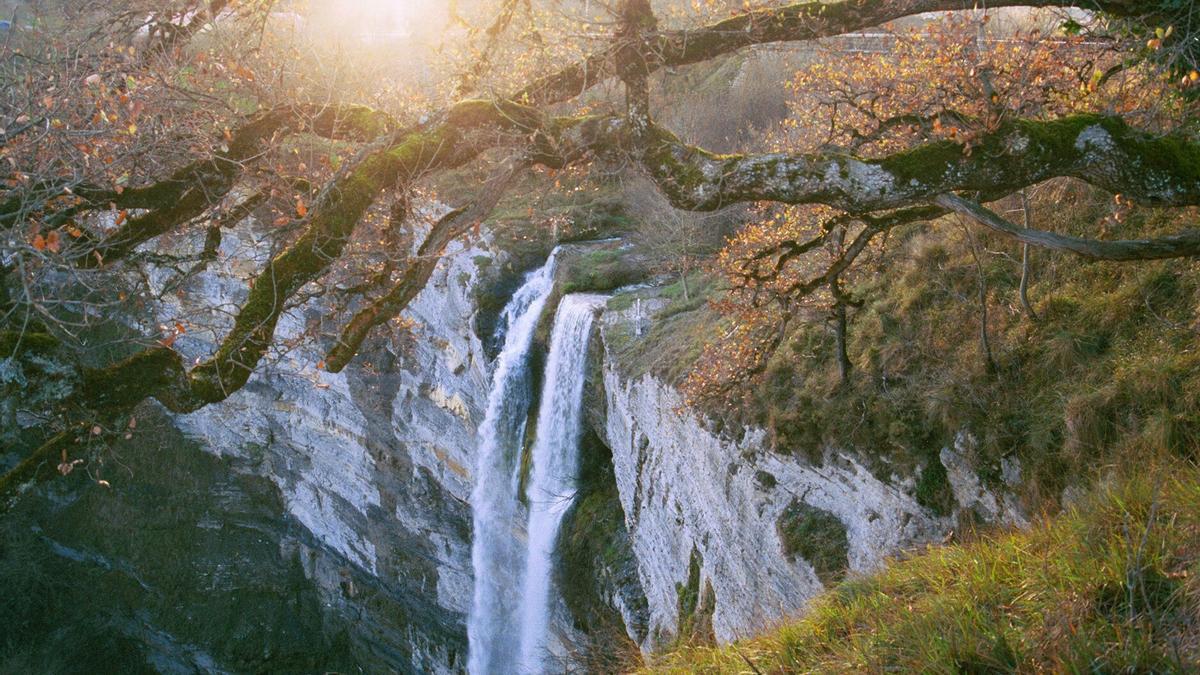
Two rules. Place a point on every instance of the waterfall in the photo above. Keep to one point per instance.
(555, 467)
(495, 553)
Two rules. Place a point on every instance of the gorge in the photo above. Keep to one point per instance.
(372, 469)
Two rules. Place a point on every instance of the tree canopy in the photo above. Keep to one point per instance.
(144, 120)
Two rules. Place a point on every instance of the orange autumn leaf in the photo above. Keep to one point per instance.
(301, 209)
(39, 243)
(53, 241)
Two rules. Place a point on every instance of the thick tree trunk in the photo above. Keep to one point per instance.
(633, 61)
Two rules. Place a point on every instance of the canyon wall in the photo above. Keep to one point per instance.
(324, 519)
(752, 533)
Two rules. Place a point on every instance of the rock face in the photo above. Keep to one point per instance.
(353, 487)
(375, 463)
(735, 509)
(181, 566)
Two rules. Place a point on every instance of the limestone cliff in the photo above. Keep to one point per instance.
(357, 484)
(375, 462)
(765, 531)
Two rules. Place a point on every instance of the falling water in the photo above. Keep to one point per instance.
(555, 466)
(495, 552)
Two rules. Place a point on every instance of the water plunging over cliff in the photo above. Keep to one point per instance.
(495, 552)
(555, 466)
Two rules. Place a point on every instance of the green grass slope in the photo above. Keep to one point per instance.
(1106, 587)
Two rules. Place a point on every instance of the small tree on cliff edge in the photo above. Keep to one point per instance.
(677, 241)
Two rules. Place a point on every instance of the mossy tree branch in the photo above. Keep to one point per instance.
(416, 275)
(194, 189)
(40, 464)
(789, 23)
(1101, 150)
(440, 145)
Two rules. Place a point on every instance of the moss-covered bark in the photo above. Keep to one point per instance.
(333, 219)
(416, 275)
(1102, 150)
(194, 189)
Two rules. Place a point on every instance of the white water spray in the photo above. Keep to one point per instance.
(555, 467)
(495, 552)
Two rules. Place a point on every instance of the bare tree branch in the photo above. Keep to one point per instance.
(1185, 244)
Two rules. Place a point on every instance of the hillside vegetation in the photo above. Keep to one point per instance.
(1106, 369)
(1094, 390)
(1109, 586)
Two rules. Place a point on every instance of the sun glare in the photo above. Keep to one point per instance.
(378, 20)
